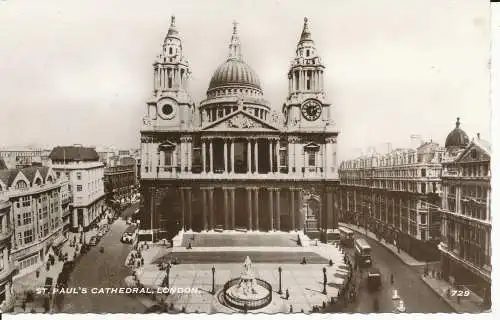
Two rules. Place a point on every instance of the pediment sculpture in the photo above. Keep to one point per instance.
(240, 121)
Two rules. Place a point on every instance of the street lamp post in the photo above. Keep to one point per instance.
(324, 280)
(168, 275)
(279, 271)
(213, 279)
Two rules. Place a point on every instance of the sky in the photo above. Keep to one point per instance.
(81, 71)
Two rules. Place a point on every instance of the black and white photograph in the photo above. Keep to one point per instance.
(243, 157)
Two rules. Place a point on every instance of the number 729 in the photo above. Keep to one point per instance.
(460, 293)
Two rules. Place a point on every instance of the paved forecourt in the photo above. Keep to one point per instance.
(193, 275)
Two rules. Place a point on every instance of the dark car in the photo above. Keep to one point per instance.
(374, 279)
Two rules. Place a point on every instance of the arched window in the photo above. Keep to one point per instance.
(49, 179)
(170, 50)
(21, 185)
(38, 181)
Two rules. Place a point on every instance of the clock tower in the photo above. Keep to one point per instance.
(171, 106)
(306, 107)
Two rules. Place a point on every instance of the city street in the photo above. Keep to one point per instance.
(418, 297)
(102, 270)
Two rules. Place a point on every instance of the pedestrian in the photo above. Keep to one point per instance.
(392, 278)
(287, 294)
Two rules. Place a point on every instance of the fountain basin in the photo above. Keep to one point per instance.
(258, 295)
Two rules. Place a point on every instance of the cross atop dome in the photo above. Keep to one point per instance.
(235, 27)
(172, 21)
(458, 122)
(306, 34)
(235, 45)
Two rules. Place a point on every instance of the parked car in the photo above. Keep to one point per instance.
(93, 241)
(129, 234)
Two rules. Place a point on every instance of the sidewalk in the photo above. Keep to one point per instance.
(471, 304)
(30, 282)
(405, 257)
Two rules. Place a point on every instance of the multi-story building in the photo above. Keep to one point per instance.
(23, 157)
(7, 267)
(130, 161)
(66, 204)
(466, 226)
(396, 195)
(233, 161)
(35, 215)
(85, 174)
(119, 182)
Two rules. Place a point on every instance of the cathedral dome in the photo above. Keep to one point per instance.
(457, 137)
(234, 72)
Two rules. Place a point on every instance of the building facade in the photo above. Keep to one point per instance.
(85, 174)
(35, 215)
(24, 157)
(233, 161)
(466, 227)
(396, 195)
(119, 182)
(7, 267)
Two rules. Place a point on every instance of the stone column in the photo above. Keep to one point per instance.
(277, 155)
(205, 208)
(226, 205)
(204, 155)
(174, 160)
(190, 208)
(271, 155)
(301, 217)
(271, 209)
(183, 209)
(249, 157)
(329, 208)
(231, 225)
(182, 151)
(211, 207)
(225, 156)
(256, 201)
(278, 209)
(232, 156)
(256, 155)
(190, 155)
(211, 156)
(292, 207)
(249, 207)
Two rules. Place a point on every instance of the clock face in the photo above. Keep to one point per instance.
(311, 110)
(167, 111)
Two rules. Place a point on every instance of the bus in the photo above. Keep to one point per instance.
(363, 253)
(346, 237)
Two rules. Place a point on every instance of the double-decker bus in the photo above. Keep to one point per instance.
(346, 237)
(363, 252)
